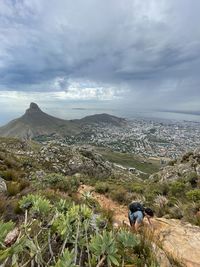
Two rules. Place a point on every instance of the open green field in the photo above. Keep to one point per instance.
(130, 161)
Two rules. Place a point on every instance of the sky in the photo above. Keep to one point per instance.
(99, 55)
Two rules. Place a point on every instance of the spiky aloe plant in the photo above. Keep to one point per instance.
(104, 247)
(66, 260)
(126, 241)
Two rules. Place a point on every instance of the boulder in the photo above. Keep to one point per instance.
(3, 187)
(180, 240)
(198, 170)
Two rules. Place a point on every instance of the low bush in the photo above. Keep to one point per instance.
(172, 162)
(119, 195)
(54, 194)
(63, 183)
(13, 188)
(191, 212)
(11, 162)
(23, 184)
(10, 175)
(138, 188)
(102, 188)
(192, 178)
(160, 203)
(177, 188)
(107, 215)
(186, 157)
(176, 212)
(3, 204)
(193, 195)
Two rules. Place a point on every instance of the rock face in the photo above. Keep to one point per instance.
(180, 240)
(70, 160)
(183, 167)
(3, 187)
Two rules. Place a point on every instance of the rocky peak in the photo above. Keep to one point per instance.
(33, 108)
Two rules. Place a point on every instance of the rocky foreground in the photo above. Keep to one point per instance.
(181, 240)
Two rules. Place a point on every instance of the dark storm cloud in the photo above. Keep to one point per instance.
(147, 47)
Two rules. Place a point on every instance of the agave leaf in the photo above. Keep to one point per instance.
(113, 260)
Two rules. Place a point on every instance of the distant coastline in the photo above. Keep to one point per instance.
(168, 115)
(192, 112)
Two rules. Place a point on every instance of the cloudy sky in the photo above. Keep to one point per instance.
(99, 54)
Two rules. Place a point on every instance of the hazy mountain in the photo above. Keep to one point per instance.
(102, 118)
(35, 122)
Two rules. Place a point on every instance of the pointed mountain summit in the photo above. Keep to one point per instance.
(35, 123)
(33, 108)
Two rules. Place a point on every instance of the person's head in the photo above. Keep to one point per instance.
(148, 212)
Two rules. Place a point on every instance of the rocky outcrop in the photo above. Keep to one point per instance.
(70, 160)
(180, 240)
(184, 167)
(56, 156)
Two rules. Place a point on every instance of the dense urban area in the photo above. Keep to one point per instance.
(149, 138)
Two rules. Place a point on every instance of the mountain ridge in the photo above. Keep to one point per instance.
(35, 122)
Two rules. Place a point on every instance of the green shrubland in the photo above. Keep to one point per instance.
(63, 233)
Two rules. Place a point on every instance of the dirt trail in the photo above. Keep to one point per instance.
(182, 240)
(120, 211)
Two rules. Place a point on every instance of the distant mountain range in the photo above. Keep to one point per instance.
(35, 123)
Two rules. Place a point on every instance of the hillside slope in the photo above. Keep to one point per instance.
(36, 122)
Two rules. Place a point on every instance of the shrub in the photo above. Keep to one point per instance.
(16, 207)
(38, 205)
(5, 228)
(177, 188)
(161, 205)
(105, 245)
(107, 215)
(138, 188)
(186, 157)
(3, 204)
(58, 181)
(191, 213)
(177, 210)
(192, 178)
(119, 195)
(193, 195)
(13, 188)
(172, 162)
(102, 188)
(54, 195)
(11, 163)
(23, 183)
(164, 188)
(10, 175)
